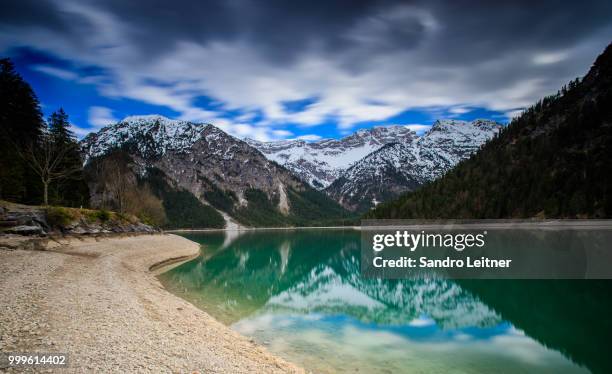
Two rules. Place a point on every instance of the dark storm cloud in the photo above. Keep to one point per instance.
(30, 13)
(470, 29)
(259, 54)
(280, 28)
(476, 30)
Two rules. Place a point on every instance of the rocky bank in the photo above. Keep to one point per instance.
(38, 221)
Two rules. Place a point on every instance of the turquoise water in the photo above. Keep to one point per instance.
(299, 293)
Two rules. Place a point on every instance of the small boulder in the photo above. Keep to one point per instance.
(26, 230)
(78, 230)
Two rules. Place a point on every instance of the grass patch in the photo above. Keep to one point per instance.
(126, 218)
(93, 216)
(58, 216)
(102, 215)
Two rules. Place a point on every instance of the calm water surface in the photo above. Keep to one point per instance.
(300, 294)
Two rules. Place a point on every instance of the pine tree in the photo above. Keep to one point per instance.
(21, 125)
(59, 127)
(70, 189)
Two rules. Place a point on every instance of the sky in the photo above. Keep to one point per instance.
(299, 69)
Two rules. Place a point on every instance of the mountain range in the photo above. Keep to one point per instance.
(322, 162)
(204, 167)
(377, 164)
(277, 183)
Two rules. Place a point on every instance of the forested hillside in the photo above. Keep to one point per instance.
(552, 161)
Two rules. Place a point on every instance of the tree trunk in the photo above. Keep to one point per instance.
(46, 193)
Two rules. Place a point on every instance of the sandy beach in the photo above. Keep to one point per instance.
(99, 301)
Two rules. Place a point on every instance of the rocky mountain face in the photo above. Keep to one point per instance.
(322, 162)
(403, 166)
(148, 137)
(218, 169)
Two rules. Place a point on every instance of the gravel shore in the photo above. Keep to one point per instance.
(98, 301)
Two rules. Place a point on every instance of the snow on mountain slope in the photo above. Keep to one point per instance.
(401, 167)
(151, 135)
(320, 163)
(359, 170)
(450, 141)
(214, 166)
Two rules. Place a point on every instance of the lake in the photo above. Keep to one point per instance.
(300, 294)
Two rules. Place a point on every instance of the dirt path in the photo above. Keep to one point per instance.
(98, 301)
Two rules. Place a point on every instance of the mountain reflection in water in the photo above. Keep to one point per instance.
(300, 293)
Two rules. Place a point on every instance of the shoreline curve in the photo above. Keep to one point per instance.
(99, 300)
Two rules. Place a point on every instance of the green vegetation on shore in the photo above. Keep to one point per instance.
(61, 217)
(40, 220)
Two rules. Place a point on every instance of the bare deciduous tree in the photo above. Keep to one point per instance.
(113, 177)
(118, 185)
(47, 158)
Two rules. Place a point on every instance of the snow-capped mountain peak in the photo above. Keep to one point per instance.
(151, 135)
(399, 167)
(323, 162)
(320, 163)
(479, 127)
